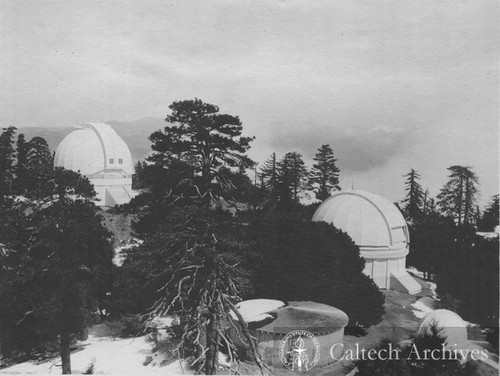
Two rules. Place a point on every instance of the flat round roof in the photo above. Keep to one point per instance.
(314, 317)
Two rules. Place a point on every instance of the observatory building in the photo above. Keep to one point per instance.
(273, 324)
(97, 152)
(378, 228)
(451, 326)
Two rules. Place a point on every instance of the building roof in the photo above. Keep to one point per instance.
(94, 148)
(451, 326)
(314, 317)
(369, 219)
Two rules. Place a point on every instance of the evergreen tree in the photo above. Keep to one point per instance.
(292, 178)
(269, 174)
(489, 220)
(478, 294)
(21, 164)
(429, 238)
(58, 269)
(324, 176)
(198, 166)
(7, 158)
(204, 139)
(458, 196)
(441, 362)
(138, 177)
(426, 201)
(200, 276)
(39, 164)
(304, 260)
(414, 201)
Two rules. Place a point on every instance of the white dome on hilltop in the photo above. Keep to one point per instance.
(378, 228)
(92, 149)
(369, 219)
(96, 151)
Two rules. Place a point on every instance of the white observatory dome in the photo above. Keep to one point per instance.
(379, 229)
(94, 148)
(452, 327)
(97, 152)
(370, 220)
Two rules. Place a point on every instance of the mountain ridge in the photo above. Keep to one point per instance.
(135, 133)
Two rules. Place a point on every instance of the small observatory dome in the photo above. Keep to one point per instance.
(452, 327)
(97, 152)
(379, 229)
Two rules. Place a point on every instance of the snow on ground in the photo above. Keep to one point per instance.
(162, 322)
(487, 235)
(433, 287)
(422, 307)
(120, 252)
(415, 272)
(257, 309)
(161, 325)
(110, 356)
(223, 360)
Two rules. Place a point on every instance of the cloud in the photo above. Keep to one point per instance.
(385, 83)
(356, 149)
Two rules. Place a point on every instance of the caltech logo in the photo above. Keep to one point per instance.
(299, 350)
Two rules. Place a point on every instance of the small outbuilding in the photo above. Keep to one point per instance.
(379, 229)
(452, 327)
(317, 327)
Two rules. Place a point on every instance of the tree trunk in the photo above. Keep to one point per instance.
(460, 203)
(66, 353)
(212, 347)
(467, 201)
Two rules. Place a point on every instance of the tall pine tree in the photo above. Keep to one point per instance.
(413, 203)
(292, 178)
(489, 219)
(7, 158)
(324, 175)
(39, 164)
(458, 196)
(198, 162)
(59, 267)
(21, 164)
(268, 174)
(206, 140)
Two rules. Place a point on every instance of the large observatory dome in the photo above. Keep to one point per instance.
(379, 229)
(94, 148)
(370, 220)
(97, 152)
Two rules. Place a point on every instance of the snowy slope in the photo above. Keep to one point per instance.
(111, 357)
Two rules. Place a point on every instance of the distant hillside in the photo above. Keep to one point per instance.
(134, 133)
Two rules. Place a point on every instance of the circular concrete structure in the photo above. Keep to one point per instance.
(276, 329)
(379, 229)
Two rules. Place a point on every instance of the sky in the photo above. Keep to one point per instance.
(390, 85)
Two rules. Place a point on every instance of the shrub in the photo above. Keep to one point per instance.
(90, 369)
(304, 260)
